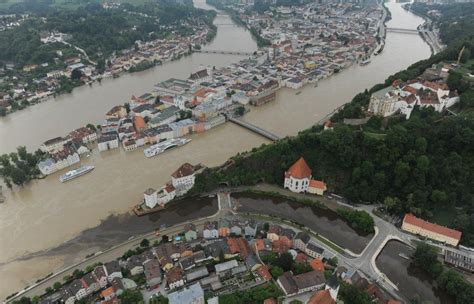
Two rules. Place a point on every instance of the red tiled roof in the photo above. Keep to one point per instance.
(299, 169)
(270, 301)
(139, 122)
(185, 170)
(321, 297)
(317, 264)
(317, 184)
(264, 273)
(107, 292)
(413, 220)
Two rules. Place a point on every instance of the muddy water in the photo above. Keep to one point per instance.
(323, 221)
(412, 282)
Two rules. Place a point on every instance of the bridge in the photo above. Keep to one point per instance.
(402, 30)
(225, 24)
(254, 129)
(240, 53)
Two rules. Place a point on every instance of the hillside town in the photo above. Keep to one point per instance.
(72, 66)
(223, 257)
(428, 90)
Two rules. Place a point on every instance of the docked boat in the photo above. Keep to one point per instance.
(165, 145)
(75, 173)
(365, 62)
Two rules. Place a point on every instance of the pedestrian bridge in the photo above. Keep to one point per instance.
(240, 53)
(402, 30)
(254, 129)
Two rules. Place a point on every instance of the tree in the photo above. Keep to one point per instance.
(57, 285)
(91, 126)
(221, 256)
(239, 111)
(285, 261)
(276, 271)
(127, 107)
(302, 268)
(266, 226)
(159, 300)
(145, 243)
(131, 297)
(426, 257)
(76, 74)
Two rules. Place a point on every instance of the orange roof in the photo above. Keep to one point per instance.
(259, 245)
(321, 297)
(139, 122)
(264, 273)
(270, 301)
(317, 264)
(413, 220)
(394, 302)
(299, 169)
(317, 184)
(107, 292)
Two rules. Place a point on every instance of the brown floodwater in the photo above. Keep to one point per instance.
(411, 281)
(323, 221)
(46, 213)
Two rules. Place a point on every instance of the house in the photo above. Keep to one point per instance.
(107, 142)
(317, 187)
(332, 285)
(165, 194)
(151, 198)
(252, 262)
(236, 228)
(328, 125)
(298, 176)
(197, 274)
(321, 297)
(200, 76)
(273, 233)
(116, 112)
(78, 289)
(152, 271)
(459, 258)
(100, 274)
(264, 273)
(107, 294)
(175, 278)
(296, 284)
(435, 232)
(113, 270)
(226, 266)
(67, 296)
(239, 246)
(55, 144)
(301, 241)
(384, 102)
(190, 232)
(286, 237)
(135, 264)
(91, 282)
(183, 178)
(47, 166)
(218, 248)
(193, 294)
(210, 230)
(84, 135)
(65, 158)
(250, 228)
(314, 251)
(317, 264)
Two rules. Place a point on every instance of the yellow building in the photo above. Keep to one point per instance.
(432, 231)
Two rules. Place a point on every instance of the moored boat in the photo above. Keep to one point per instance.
(75, 173)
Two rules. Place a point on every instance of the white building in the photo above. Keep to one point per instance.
(297, 178)
(183, 179)
(54, 144)
(151, 199)
(107, 142)
(192, 295)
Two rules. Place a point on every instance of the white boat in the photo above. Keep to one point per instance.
(75, 173)
(165, 145)
(365, 62)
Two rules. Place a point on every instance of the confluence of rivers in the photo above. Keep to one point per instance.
(46, 213)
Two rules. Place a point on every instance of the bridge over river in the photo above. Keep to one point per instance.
(402, 30)
(240, 53)
(254, 128)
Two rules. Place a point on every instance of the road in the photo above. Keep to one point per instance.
(364, 262)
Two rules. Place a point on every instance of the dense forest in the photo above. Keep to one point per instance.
(424, 165)
(98, 31)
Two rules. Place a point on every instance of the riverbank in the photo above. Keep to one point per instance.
(54, 217)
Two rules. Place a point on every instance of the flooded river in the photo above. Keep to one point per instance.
(46, 213)
(323, 221)
(412, 282)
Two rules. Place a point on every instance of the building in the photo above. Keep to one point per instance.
(301, 241)
(152, 271)
(54, 145)
(383, 102)
(113, 270)
(460, 259)
(317, 187)
(314, 251)
(190, 232)
(309, 281)
(297, 178)
(183, 179)
(151, 199)
(175, 278)
(332, 285)
(432, 231)
(321, 297)
(107, 142)
(191, 295)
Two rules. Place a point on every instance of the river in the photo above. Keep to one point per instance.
(412, 282)
(46, 213)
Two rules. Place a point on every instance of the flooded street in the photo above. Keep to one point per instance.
(46, 213)
(323, 221)
(412, 282)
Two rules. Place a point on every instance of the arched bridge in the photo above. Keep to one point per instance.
(240, 53)
(254, 129)
(402, 30)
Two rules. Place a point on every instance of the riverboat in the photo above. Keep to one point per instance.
(165, 145)
(75, 173)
